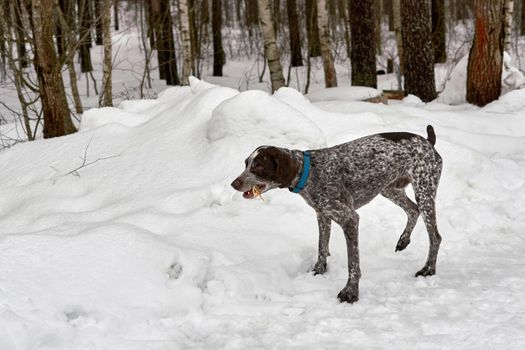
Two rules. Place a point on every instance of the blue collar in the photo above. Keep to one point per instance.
(305, 174)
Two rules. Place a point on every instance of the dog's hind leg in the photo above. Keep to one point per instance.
(425, 186)
(324, 239)
(398, 196)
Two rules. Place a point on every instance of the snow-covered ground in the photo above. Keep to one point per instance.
(148, 247)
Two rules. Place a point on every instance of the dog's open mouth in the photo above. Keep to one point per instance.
(255, 191)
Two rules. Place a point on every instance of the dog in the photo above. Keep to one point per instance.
(338, 180)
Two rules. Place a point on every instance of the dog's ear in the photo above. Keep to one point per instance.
(286, 169)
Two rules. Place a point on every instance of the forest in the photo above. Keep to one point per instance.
(43, 61)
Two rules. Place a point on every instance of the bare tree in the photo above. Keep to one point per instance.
(108, 67)
(418, 56)
(330, 76)
(219, 58)
(184, 17)
(312, 29)
(295, 34)
(396, 18)
(270, 44)
(485, 61)
(57, 120)
(509, 12)
(363, 39)
(439, 31)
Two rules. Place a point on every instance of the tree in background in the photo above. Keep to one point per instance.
(107, 91)
(187, 52)
(438, 31)
(330, 77)
(418, 56)
(485, 61)
(363, 52)
(295, 34)
(219, 57)
(270, 44)
(57, 121)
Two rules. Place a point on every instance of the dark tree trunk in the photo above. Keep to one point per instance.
(418, 56)
(312, 30)
(363, 54)
(57, 120)
(295, 34)
(218, 52)
(115, 13)
(98, 21)
(439, 31)
(168, 44)
(20, 35)
(522, 25)
(84, 33)
(486, 55)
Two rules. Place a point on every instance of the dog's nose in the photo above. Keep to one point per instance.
(237, 184)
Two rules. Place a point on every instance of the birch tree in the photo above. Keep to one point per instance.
(107, 92)
(330, 77)
(270, 44)
(184, 15)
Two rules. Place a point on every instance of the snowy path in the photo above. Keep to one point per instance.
(151, 249)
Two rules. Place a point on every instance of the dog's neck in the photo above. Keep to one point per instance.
(297, 159)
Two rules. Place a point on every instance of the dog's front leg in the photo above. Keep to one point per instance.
(324, 240)
(349, 221)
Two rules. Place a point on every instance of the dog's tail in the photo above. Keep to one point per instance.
(431, 135)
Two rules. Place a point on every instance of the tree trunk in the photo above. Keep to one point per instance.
(84, 36)
(486, 55)
(57, 120)
(216, 25)
(296, 57)
(509, 12)
(522, 25)
(107, 69)
(418, 56)
(186, 40)
(20, 34)
(363, 52)
(396, 16)
(270, 44)
(330, 77)
(439, 31)
(312, 29)
(378, 9)
(98, 4)
(115, 13)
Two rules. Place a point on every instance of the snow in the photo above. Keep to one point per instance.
(343, 93)
(150, 248)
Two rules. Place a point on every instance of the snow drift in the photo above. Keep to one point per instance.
(127, 235)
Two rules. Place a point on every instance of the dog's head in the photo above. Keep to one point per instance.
(266, 168)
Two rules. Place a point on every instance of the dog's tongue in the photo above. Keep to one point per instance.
(248, 194)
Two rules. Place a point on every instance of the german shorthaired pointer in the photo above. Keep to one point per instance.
(338, 180)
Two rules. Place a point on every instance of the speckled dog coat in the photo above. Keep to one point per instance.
(345, 177)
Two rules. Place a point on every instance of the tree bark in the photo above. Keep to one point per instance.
(418, 56)
(312, 29)
(115, 13)
(270, 44)
(57, 120)
(84, 36)
(439, 31)
(168, 44)
(296, 57)
(485, 61)
(522, 25)
(396, 17)
(186, 41)
(219, 57)
(108, 67)
(330, 76)
(98, 5)
(509, 12)
(363, 52)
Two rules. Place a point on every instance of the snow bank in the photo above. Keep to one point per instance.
(146, 246)
(346, 93)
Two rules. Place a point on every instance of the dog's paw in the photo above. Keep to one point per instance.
(319, 267)
(426, 271)
(402, 243)
(348, 295)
